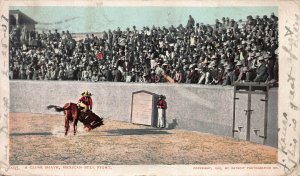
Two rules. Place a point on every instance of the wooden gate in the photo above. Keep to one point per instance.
(143, 108)
(248, 123)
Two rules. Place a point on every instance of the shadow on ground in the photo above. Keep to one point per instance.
(31, 134)
(136, 131)
(117, 132)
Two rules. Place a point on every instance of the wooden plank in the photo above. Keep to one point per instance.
(251, 92)
(142, 108)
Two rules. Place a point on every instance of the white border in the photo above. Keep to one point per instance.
(288, 134)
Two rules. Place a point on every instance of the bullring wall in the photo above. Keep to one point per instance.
(202, 108)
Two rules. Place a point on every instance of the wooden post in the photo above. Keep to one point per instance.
(266, 114)
(233, 115)
(248, 111)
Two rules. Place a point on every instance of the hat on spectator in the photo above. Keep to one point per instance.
(239, 63)
(205, 61)
(192, 66)
(213, 56)
(179, 38)
(236, 58)
(212, 64)
(228, 67)
(260, 58)
(248, 48)
(222, 56)
(266, 56)
(222, 61)
(250, 57)
(257, 54)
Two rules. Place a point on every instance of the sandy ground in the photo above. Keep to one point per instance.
(39, 139)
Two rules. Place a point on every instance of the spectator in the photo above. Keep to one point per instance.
(222, 53)
(261, 71)
(95, 77)
(191, 22)
(162, 106)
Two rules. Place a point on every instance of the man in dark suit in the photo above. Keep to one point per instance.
(261, 71)
(191, 22)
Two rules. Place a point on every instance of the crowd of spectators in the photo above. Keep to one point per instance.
(223, 53)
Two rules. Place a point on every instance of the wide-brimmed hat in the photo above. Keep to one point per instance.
(212, 64)
(248, 48)
(86, 93)
(254, 48)
(257, 54)
(229, 67)
(162, 96)
(260, 58)
(239, 63)
(205, 61)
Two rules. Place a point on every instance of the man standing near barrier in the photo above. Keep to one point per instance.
(162, 106)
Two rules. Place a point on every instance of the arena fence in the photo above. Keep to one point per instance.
(202, 108)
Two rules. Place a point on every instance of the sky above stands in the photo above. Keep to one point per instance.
(98, 19)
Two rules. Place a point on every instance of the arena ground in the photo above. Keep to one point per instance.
(39, 139)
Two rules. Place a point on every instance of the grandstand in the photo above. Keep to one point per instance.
(226, 52)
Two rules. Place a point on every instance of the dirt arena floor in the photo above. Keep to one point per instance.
(39, 139)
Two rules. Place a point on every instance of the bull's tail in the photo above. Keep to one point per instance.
(57, 108)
